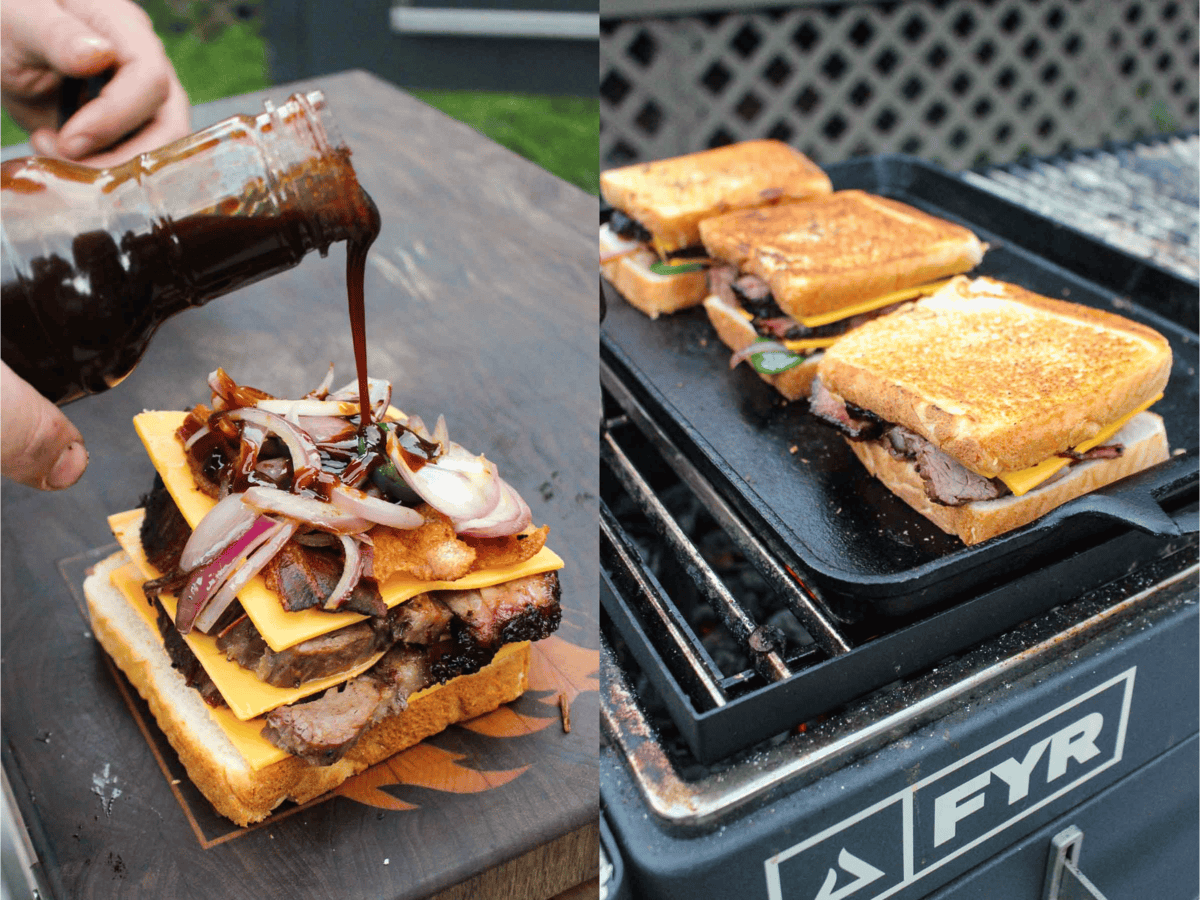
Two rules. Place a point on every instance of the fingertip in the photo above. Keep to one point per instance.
(69, 467)
(76, 146)
(89, 54)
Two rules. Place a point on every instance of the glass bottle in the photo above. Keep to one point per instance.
(94, 260)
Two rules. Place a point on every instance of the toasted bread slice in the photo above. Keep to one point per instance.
(650, 292)
(738, 333)
(998, 377)
(834, 252)
(1145, 441)
(235, 788)
(670, 197)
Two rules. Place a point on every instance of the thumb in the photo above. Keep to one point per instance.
(38, 445)
(69, 45)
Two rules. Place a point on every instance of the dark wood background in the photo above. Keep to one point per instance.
(481, 304)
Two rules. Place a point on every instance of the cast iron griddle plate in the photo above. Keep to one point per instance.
(801, 486)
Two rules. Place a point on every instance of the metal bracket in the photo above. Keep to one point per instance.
(1064, 881)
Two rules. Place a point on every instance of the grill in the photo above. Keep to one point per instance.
(808, 694)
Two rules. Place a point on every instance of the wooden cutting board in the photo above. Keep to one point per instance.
(480, 305)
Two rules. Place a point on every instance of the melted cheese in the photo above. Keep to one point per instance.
(246, 695)
(244, 734)
(282, 629)
(1026, 480)
(802, 344)
(868, 305)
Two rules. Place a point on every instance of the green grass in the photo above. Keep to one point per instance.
(560, 134)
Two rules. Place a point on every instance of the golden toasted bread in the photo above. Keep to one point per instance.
(833, 252)
(670, 197)
(737, 333)
(998, 377)
(627, 267)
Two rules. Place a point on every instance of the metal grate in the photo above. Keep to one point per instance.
(1142, 198)
(960, 82)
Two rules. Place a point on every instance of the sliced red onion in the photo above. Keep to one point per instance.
(306, 460)
(458, 484)
(224, 524)
(352, 571)
(317, 513)
(756, 347)
(321, 391)
(292, 409)
(272, 544)
(366, 547)
(191, 442)
(379, 395)
(382, 512)
(207, 580)
(510, 516)
(327, 429)
(441, 434)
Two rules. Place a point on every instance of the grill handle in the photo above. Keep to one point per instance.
(1064, 881)
(1130, 502)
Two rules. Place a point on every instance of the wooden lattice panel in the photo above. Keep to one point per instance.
(959, 82)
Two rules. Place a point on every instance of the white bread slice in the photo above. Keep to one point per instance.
(737, 332)
(214, 765)
(996, 376)
(834, 252)
(648, 291)
(1145, 441)
(670, 197)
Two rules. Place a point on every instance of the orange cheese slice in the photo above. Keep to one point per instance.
(1026, 480)
(858, 308)
(868, 305)
(244, 734)
(246, 695)
(282, 629)
(802, 344)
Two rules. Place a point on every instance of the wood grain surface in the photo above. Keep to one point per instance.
(480, 305)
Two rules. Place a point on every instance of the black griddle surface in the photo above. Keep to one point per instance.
(801, 487)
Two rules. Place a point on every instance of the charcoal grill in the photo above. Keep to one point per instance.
(788, 715)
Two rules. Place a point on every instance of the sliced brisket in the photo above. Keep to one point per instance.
(304, 577)
(855, 423)
(185, 661)
(164, 530)
(321, 731)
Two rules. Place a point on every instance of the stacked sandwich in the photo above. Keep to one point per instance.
(303, 595)
(650, 235)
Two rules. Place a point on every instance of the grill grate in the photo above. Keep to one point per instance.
(962, 83)
(1141, 198)
(724, 666)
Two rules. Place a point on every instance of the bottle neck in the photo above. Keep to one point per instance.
(308, 169)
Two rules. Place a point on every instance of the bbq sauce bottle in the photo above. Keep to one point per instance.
(94, 260)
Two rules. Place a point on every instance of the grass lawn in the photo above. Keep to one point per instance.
(560, 134)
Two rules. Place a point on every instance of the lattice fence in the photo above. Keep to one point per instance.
(958, 82)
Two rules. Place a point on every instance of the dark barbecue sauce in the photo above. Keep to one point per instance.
(95, 260)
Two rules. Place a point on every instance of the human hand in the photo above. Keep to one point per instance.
(43, 41)
(38, 445)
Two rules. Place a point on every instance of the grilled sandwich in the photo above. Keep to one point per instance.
(788, 281)
(984, 406)
(650, 238)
